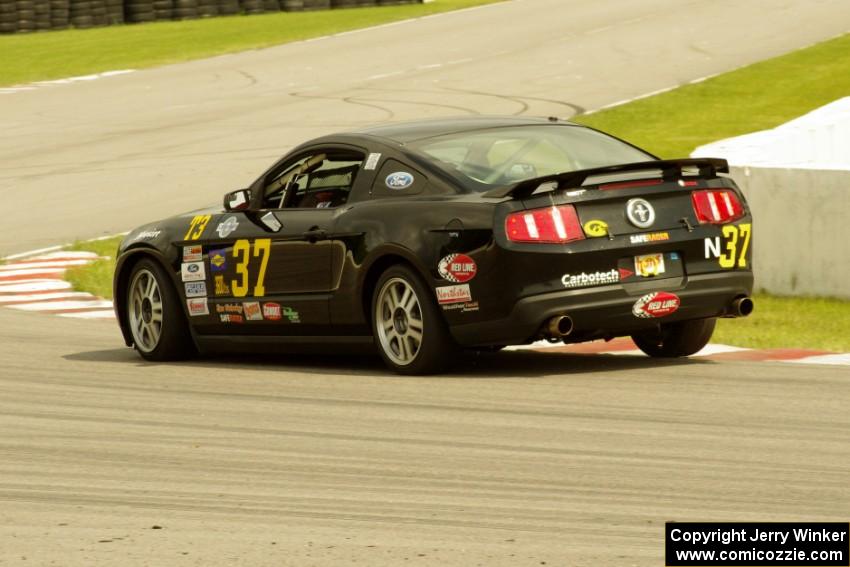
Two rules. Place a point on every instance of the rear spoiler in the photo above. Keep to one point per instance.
(670, 169)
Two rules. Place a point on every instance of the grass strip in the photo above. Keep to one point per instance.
(96, 277)
(58, 54)
(756, 97)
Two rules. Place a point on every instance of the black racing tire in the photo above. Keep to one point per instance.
(676, 339)
(150, 295)
(410, 332)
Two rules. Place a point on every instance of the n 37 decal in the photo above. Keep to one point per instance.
(242, 254)
(731, 250)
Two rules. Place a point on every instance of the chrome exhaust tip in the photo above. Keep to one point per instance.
(560, 326)
(742, 307)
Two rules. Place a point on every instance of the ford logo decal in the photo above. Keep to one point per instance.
(399, 180)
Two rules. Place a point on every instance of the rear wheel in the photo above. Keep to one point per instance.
(155, 316)
(676, 339)
(409, 329)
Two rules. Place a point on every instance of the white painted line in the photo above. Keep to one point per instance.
(63, 305)
(635, 352)
(838, 359)
(98, 314)
(66, 253)
(34, 285)
(36, 297)
(33, 252)
(44, 264)
(11, 274)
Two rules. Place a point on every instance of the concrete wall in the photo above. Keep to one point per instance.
(801, 229)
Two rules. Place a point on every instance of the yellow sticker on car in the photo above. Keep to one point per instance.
(596, 228)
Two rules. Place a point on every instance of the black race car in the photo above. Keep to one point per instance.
(426, 237)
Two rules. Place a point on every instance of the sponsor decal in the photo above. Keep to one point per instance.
(292, 315)
(231, 318)
(399, 180)
(640, 213)
(270, 220)
(596, 228)
(228, 308)
(649, 237)
(372, 161)
(196, 289)
(591, 279)
(221, 287)
(218, 260)
(674, 256)
(625, 273)
(271, 311)
(193, 253)
(649, 265)
(457, 268)
(453, 294)
(467, 307)
(197, 306)
(731, 250)
(147, 234)
(226, 227)
(252, 310)
(658, 304)
(193, 271)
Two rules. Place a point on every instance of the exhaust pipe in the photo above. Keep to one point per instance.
(560, 326)
(742, 307)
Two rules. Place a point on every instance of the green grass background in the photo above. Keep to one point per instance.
(33, 57)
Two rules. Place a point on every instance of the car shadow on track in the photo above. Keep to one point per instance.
(469, 364)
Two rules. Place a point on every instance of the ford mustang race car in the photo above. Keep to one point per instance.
(426, 237)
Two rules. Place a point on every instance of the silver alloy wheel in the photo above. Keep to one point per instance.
(144, 305)
(398, 320)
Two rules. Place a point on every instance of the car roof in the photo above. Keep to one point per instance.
(403, 132)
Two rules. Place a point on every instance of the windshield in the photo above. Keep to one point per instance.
(504, 156)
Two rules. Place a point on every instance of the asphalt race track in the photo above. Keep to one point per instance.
(517, 458)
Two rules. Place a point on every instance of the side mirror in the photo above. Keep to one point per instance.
(238, 200)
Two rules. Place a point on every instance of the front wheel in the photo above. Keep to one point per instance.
(676, 339)
(409, 329)
(155, 315)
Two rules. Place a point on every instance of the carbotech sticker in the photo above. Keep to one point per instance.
(453, 294)
(193, 253)
(193, 271)
(197, 306)
(196, 289)
(594, 278)
(252, 310)
(457, 268)
(658, 304)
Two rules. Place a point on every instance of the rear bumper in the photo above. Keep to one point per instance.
(607, 311)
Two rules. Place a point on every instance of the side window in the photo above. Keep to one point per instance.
(316, 181)
(398, 180)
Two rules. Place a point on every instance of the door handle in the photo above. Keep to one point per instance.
(315, 233)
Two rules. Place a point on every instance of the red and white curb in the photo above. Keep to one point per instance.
(625, 347)
(36, 283)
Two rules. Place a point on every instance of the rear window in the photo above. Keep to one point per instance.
(504, 156)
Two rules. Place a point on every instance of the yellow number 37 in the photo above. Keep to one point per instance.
(733, 251)
(242, 255)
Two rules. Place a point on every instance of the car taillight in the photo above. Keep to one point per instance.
(717, 206)
(551, 225)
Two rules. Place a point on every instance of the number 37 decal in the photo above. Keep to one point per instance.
(242, 254)
(731, 250)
